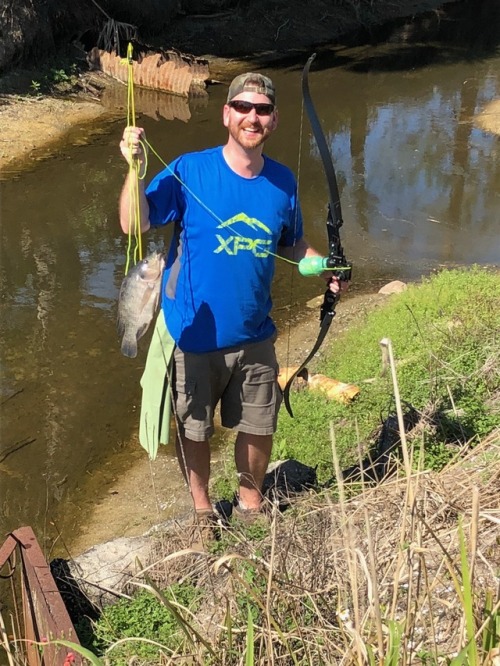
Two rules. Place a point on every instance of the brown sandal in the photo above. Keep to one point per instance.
(249, 516)
(205, 528)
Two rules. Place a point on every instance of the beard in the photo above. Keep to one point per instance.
(248, 140)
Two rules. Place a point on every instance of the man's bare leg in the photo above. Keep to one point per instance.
(194, 461)
(252, 454)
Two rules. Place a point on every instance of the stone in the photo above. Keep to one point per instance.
(394, 287)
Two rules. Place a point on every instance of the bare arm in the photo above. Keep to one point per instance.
(132, 148)
(128, 207)
(298, 251)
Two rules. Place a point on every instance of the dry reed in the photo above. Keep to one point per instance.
(350, 578)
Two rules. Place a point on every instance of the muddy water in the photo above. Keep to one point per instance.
(420, 190)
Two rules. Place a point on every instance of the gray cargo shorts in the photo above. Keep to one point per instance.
(243, 379)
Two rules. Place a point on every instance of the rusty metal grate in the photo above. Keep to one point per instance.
(169, 71)
(36, 610)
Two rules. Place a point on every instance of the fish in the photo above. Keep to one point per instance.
(138, 301)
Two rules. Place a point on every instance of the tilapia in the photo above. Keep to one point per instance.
(138, 301)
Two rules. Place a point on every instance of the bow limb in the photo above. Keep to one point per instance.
(324, 151)
(323, 330)
(336, 258)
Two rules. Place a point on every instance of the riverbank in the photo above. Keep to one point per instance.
(34, 128)
(36, 124)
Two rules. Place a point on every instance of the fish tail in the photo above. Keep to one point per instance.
(129, 346)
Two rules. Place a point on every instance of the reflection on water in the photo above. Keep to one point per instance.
(417, 178)
(420, 188)
(155, 104)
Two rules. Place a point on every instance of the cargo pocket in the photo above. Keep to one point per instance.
(185, 392)
(260, 388)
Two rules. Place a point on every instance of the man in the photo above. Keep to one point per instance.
(234, 211)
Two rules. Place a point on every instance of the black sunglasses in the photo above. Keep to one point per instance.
(241, 106)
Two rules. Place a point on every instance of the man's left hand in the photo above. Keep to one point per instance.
(335, 284)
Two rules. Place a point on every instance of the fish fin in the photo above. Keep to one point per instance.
(129, 342)
(146, 297)
(142, 330)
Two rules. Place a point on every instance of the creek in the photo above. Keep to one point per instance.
(420, 190)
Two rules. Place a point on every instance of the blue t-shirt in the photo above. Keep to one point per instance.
(216, 290)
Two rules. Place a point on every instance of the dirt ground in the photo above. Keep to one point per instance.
(34, 127)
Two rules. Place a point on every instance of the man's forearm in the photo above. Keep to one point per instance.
(129, 208)
(298, 251)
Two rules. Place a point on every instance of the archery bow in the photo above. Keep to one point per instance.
(335, 261)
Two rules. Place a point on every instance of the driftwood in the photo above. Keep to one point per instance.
(169, 71)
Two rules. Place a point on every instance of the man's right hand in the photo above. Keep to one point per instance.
(133, 148)
(133, 145)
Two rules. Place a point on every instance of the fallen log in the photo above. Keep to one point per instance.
(332, 388)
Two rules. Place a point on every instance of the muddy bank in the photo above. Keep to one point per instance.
(32, 32)
(34, 128)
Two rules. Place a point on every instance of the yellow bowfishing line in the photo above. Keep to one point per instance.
(134, 247)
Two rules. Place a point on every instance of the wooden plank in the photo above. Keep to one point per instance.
(7, 549)
(46, 617)
(33, 655)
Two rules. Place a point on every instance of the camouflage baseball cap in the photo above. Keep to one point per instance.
(252, 82)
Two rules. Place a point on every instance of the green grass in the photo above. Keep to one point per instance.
(444, 334)
(146, 625)
(55, 79)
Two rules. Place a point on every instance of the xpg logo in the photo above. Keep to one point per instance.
(234, 244)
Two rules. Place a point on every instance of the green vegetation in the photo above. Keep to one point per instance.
(144, 626)
(444, 334)
(55, 79)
